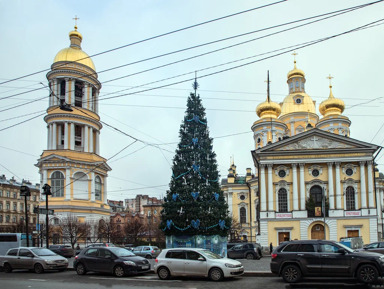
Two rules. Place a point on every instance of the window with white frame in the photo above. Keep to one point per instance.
(243, 215)
(283, 200)
(57, 183)
(98, 188)
(350, 198)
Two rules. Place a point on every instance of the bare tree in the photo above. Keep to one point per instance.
(73, 230)
(134, 230)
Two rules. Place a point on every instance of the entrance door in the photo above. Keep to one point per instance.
(317, 232)
(353, 233)
(283, 236)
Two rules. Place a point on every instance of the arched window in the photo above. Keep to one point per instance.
(350, 198)
(283, 200)
(98, 188)
(57, 183)
(243, 216)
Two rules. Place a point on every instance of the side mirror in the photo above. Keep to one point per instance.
(341, 251)
(201, 259)
(30, 255)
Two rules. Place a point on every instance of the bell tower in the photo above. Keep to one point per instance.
(71, 163)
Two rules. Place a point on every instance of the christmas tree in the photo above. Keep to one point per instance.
(195, 204)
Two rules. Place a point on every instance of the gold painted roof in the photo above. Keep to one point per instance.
(289, 105)
(295, 72)
(74, 52)
(268, 109)
(332, 105)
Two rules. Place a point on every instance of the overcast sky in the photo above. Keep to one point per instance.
(32, 32)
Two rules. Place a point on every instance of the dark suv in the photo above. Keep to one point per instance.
(63, 250)
(245, 251)
(319, 258)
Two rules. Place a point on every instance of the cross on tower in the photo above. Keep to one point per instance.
(268, 82)
(330, 80)
(294, 56)
(76, 18)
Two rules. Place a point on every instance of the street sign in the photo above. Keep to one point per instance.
(44, 211)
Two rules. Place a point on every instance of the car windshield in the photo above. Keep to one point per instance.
(43, 252)
(210, 255)
(345, 247)
(121, 252)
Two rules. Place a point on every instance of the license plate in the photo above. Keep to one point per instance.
(145, 267)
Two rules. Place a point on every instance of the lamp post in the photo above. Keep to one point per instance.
(47, 192)
(24, 191)
(323, 205)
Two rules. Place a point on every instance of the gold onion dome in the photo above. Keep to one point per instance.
(268, 109)
(74, 52)
(332, 105)
(295, 72)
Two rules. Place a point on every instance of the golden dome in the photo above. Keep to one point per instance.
(332, 105)
(268, 109)
(298, 102)
(295, 72)
(74, 52)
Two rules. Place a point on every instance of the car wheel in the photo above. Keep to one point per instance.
(38, 268)
(80, 269)
(291, 274)
(118, 271)
(249, 256)
(163, 273)
(148, 256)
(7, 268)
(215, 274)
(367, 273)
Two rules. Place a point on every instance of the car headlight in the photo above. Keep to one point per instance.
(129, 263)
(230, 265)
(49, 262)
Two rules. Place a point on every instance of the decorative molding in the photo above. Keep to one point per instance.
(315, 142)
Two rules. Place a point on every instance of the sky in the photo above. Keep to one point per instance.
(150, 105)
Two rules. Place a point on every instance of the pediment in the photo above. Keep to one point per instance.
(316, 142)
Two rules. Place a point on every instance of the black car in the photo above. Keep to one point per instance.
(114, 260)
(244, 251)
(294, 260)
(63, 250)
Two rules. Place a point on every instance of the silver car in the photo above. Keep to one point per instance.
(32, 258)
(195, 262)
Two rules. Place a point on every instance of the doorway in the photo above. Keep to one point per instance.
(317, 232)
(283, 236)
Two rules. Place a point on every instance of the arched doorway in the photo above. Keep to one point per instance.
(317, 232)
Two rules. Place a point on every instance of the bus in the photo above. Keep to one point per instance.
(13, 240)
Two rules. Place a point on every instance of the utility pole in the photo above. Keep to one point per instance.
(47, 192)
(24, 191)
(323, 205)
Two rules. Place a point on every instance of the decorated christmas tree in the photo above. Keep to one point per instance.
(194, 206)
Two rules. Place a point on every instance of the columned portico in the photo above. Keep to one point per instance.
(295, 191)
(362, 186)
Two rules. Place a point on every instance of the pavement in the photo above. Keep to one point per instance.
(254, 268)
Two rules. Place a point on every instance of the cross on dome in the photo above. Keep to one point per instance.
(76, 18)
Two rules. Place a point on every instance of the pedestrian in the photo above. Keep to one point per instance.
(270, 248)
(77, 247)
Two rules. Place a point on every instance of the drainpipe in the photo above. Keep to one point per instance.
(250, 209)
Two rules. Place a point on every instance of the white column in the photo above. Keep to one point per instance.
(381, 194)
(263, 193)
(54, 91)
(66, 135)
(230, 202)
(363, 192)
(72, 147)
(67, 187)
(370, 185)
(98, 142)
(338, 187)
(330, 187)
(48, 136)
(97, 101)
(270, 188)
(54, 136)
(72, 91)
(67, 88)
(59, 134)
(92, 186)
(295, 191)
(104, 190)
(86, 138)
(91, 140)
(302, 187)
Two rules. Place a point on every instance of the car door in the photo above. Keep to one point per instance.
(25, 259)
(236, 252)
(138, 251)
(195, 264)
(309, 258)
(175, 261)
(104, 262)
(334, 263)
(91, 259)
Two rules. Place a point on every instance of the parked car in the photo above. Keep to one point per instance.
(377, 247)
(148, 252)
(63, 250)
(195, 262)
(101, 245)
(245, 251)
(294, 260)
(32, 258)
(114, 260)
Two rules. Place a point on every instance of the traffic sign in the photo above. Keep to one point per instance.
(44, 211)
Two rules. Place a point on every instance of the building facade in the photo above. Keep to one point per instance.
(72, 164)
(313, 180)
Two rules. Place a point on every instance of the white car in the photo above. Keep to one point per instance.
(195, 262)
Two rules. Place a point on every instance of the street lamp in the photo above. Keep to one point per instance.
(24, 191)
(47, 192)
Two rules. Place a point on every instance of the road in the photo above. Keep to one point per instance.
(70, 280)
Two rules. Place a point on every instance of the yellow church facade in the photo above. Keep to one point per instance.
(312, 180)
(72, 164)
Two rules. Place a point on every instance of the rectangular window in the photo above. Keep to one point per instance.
(14, 195)
(1, 193)
(8, 193)
(8, 206)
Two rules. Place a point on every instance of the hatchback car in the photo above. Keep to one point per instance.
(114, 260)
(294, 260)
(63, 250)
(148, 252)
(245, 251)
(195, 262)
(377, 247)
